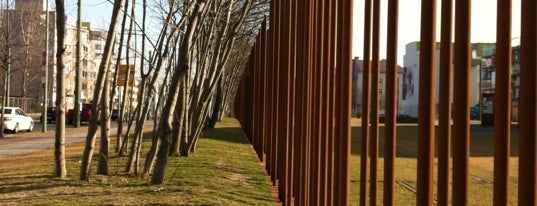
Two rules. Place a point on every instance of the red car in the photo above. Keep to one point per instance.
(85, 114)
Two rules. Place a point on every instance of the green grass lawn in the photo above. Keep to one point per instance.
(223, 171)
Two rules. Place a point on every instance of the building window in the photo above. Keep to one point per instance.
(84, 86)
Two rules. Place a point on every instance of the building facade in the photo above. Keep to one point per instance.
(411, 75)
(26, 23)
(358, 85)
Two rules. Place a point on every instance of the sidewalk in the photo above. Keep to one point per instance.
(25, 142)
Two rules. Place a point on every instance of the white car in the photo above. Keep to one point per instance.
(15, 119)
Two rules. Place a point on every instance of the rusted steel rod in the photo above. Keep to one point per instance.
(276, 73)
(527, 182)
(444, 104)
(461, 103)
(316, 134)
(391, 104)
(502, 104)
(364, 140)
(375, 68)
(426, 102)
(345, 68)
(295, 106)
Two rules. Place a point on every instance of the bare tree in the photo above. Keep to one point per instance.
(107, 55)
(104, 148)
(59, 145)
(165, 125)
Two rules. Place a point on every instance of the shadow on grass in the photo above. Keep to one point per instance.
(481, 141)
(20, 184)
(228, 134)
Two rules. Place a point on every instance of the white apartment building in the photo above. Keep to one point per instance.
(411, 75)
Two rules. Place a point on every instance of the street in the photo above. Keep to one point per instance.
(25, 142)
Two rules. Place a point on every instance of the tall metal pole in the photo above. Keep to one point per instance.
(426, 112)
(502, 104)
(461, 103)
(45, 67)
(527, 187)
(8, 74)
(77, 76)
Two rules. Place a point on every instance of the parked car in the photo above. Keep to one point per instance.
(475, 113)
(85, 114)
(15, 119)
(115, 114)
(51, 115)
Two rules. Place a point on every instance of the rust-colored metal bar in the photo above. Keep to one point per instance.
(461, 102)
(276, 89)
(292, 96)
(527, 182)
(343, 80)
(306, 190)
(374, 138)
(502, 104)
(285, 103)
(426, 103)
(300, 101)
(444, 104)
(391, 104)
(364, 140)
(270, 97)
(315, 192)
(264, 85)
(334, 110)
(270, 100)
(324, 87)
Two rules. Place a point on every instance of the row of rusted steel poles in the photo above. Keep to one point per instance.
(459, 142)
(370, 103)
(294, 100)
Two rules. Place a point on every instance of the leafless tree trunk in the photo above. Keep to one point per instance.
(119, 134)
(165, 125)
(104, 149)
(107, 54)
(59, 145)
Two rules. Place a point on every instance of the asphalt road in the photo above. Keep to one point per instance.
(25, 142)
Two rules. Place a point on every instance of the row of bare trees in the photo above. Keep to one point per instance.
(186, 81)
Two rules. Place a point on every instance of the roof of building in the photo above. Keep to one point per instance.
(382, 66)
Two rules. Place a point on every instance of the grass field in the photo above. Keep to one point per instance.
(481, 165)
(224, 171)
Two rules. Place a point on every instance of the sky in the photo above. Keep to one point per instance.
(483, 25)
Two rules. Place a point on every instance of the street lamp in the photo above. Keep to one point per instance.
(45, 67)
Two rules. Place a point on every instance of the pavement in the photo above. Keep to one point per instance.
(26, 142)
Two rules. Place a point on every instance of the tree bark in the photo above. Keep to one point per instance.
(165, 124)
(104, 149)
(119, 133)
(217, 107)
(92, 129)
(59, 143)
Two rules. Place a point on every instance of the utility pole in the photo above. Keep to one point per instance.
(78, 56)
(45, 68)
(8, 74)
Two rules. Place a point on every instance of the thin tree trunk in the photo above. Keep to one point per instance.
(218, 105)
(92, 129)
(59, 143)
(165, 124)
(119, 134)
(104, 149)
